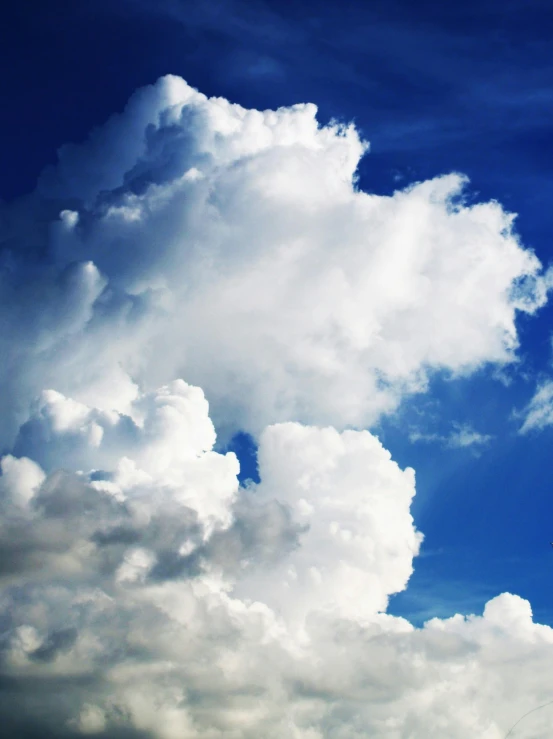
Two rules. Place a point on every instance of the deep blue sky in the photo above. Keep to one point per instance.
(435, 87)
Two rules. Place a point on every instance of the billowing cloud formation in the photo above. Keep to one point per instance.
(191, 237)
(144, 594)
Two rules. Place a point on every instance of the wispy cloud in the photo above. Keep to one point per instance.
(539, 412)
(461, 436)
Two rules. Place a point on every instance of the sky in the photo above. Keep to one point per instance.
(277, 402)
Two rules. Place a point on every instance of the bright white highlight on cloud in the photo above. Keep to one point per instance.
(191, 237)
(353, 503)
(144, 593)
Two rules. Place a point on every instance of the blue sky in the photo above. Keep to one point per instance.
(435, 88)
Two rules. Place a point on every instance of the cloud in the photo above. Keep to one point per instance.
(149, 596)
(461, 436)
(465, 436)
(143, 592)
(539, 412)
(357, 548)
(191, 237)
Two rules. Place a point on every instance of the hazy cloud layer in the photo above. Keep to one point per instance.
(143, 592)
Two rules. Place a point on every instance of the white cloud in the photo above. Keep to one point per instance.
(461, 436)
(155, 616)
(166, 443)
(189, 236)
(539, 412)
(358, 545)
(464, 436)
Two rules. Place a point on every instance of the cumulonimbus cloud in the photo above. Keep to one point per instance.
(191, 237)
(144, 593)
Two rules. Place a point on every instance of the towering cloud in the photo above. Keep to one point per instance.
(190, 237)
(143, 592)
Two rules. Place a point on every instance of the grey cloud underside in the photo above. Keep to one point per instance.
(68, 515)
(143, 592)
(140, 611)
